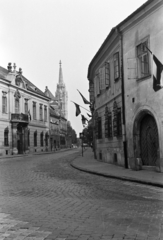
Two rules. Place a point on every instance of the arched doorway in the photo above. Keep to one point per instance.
(149, 142)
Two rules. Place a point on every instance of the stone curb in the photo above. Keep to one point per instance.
(123, 178)
(31, 154)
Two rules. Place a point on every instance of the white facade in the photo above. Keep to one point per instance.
(18, 118)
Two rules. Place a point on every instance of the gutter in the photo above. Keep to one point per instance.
(123, 102)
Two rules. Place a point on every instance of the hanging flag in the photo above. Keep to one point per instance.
(77, 109)
(89, 115)
(84, 119)
(84, 99)
(157, 74)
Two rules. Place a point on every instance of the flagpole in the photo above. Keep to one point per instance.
(82, 107)
(148, 49)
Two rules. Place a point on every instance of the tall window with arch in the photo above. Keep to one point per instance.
(6, 133)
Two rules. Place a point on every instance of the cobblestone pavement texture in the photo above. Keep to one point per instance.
(43, 197)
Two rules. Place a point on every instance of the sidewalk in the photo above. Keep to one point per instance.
(32, 154)
(88, 164)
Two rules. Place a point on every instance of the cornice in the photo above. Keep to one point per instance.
(138, 16)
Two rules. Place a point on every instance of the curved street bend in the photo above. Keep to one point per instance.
(44, 197)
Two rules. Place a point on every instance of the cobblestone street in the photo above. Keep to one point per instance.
(43, 197)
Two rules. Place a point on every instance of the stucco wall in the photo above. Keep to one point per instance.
(139, 93)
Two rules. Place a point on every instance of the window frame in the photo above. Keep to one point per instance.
(107, 74)
(41, 139)
(35, 138)
(17, 105)
(34, 111)
(41, 112)
(6, 137)
(45, 114)
(141, 53)
(4, 104)
(116, 66)
(26, 106)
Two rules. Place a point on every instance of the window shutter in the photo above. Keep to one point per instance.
(132, 68)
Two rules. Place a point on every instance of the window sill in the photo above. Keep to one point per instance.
(144, 78)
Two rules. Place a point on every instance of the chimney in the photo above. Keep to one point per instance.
(9, 67)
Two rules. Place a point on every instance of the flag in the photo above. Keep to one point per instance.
(84, 99)
(77, 109)
(29, 115)
(84, 119)
(157, 74)
(89, 115)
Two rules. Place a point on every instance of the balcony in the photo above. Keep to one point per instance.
(19, 117)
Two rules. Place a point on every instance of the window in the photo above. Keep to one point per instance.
(117, 121)
(107, 74)
(6, 131)
(45, 113)
(26, 106)
(35, 139)
(17, 106)
(41, 113)
(41, 139)
(4, 104)
(143, 59)
(28, 137)
(46, 139)
(97, 85)
(108, 123)
(34, 110)
(116, 66)
(99, 128)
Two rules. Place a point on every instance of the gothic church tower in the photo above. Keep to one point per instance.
(61, 94)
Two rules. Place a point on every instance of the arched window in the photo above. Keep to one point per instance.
(28, 137)
(46, 139)
(41, 139)
(35, 139)
(6, 131)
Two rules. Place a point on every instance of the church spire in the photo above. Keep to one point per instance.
(60, 74)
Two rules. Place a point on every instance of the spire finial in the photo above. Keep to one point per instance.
(60, 74)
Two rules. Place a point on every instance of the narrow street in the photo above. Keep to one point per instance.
(43, 197)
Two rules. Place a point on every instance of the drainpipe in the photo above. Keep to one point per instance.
(123, 103)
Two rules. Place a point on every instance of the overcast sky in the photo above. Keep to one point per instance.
(37, 34)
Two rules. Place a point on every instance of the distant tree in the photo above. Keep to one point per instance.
(71, 134)
(88, 134)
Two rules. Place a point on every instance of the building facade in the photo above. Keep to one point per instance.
(58, 114)
(24, 116)
(142, 47)
(137, 41)
(105, 87)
